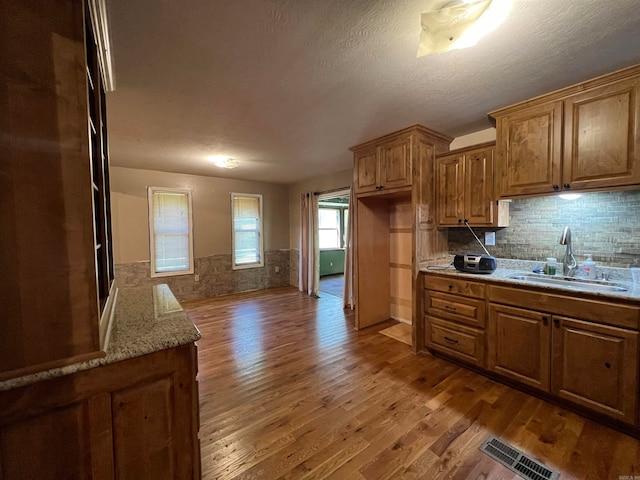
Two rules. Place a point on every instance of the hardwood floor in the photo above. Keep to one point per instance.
(289, 390)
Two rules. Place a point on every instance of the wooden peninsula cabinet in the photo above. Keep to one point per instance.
(465, 188)
(584, 137)
(395, 228)
(85, 392)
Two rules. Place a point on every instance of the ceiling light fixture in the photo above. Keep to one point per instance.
(223, 162)
(460, 24)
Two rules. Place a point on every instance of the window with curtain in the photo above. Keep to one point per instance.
(329, 235)
(170, 231)
(247, 233)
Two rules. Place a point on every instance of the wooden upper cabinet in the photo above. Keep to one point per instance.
(395, 163)
(584, 137)
(387, 163)
(596, 366)
(529, 150)
(450, 189)
(366, 170)
(465, 186)
(602, 137)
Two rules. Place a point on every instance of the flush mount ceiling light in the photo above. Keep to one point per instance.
(460, 24)
(223, 162)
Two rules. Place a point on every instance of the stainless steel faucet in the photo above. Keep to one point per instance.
(569, 263)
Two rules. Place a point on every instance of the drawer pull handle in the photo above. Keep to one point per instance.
(545, 321)
(449, 307)
(556, 322)
(451, 340)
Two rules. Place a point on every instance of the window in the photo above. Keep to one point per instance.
(170, 231)
(246, 234)
(329, 228)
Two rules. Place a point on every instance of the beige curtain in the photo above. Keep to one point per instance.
(348, 295)
(309, 265)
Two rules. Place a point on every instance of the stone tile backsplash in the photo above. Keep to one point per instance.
(605, 224)
(216, 276)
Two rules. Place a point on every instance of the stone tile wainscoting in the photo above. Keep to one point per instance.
(216, 276)
(606, 224)
(294, 263)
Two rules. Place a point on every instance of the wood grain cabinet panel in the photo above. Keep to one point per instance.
(518, 345)
(463, 343)
(584, 137)
(465, 186)
(602, 137)
(530, 150)
(596, 366)
(395, 163)
(366, 170)
(135, 419)
(55, 244)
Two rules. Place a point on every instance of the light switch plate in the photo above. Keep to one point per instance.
(490, 238)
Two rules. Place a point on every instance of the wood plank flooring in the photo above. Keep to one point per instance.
(289, 390)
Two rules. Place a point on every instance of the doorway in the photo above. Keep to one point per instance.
(333, 218)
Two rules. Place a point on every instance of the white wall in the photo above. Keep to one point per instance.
(487, 135)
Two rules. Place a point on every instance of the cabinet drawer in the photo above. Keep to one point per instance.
(464, 343)
(455, 307)
(616, 314)
(455, 285)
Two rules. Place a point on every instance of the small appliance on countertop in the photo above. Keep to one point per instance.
(475, 263)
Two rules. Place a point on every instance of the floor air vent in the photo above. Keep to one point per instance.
(516, 461)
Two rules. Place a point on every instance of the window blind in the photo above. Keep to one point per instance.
(171, 231)
(247, 226)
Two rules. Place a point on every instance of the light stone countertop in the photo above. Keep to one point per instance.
(507, 268)
(147, 319)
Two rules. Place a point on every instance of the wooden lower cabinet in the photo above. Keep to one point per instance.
(518, 345)
(596, 366)
(592, 365)
(463, 343)
(128, 420)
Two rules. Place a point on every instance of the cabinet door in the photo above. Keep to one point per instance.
(529, 149)
(450, 187)
(366, 170)
(596, 366)
(478, 187)
(602, 137)
(518, 345)
(395, 163)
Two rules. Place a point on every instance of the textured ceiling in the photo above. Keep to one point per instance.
(286, 86)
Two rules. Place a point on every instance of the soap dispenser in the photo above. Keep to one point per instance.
(589, 267)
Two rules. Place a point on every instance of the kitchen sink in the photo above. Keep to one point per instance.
(573, 283)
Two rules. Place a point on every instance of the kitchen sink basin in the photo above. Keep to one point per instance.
(573, 283)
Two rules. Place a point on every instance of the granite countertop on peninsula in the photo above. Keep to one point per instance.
(147, 319)
(507, 268)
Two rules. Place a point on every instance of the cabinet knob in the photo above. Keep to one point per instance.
(607, 364)
(459, 220)
(450, 287)
(556, 322)
(567, 186)
(556, 187)
(545, 321)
